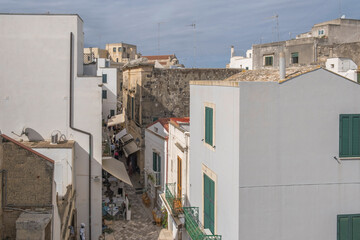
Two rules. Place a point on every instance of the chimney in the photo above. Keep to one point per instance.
(282, 65)
(232, 51)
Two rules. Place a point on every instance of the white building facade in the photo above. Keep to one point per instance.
(156, 147)
(343, 66)
(276, 160)
(241, 61)
(43, 89)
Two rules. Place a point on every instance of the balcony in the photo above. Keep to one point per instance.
(174, 202)
(194, 227)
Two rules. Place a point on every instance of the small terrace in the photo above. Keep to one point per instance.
(174, 201)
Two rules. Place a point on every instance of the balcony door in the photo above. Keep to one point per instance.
(179, 177)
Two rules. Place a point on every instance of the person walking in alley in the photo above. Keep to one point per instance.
(82, 231)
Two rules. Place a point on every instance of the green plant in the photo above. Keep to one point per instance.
(164, 222)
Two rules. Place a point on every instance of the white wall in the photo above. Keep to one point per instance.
(177, 136)
(63, 174)
(291, 187)
(343, 66)
(155, 143)
(34, 93)
(110, 103)
(223, 161)
(242, 62)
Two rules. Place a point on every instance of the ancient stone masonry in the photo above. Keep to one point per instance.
(28, 183)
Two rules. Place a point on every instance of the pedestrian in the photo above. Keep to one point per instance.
(82, 231)
(116, 155)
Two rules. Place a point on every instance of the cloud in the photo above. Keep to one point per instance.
(219, 23)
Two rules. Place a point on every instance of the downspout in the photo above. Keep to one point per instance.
(79, 130)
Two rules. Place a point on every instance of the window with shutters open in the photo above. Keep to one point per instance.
(156, 162)
(348, 227)
(209, 120)
(349, 133)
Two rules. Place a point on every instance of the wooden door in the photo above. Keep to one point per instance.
(179, 177)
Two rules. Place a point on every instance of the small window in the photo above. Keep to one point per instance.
(321, 32)
(156, 129)
(349, 142)
(119, 49)
(112, 112)
(269, 60)
(128, 55)
(88, 58)
(156, 162)
(348, 227)
(247, 68)
(117, 59)
(107, 64)
(104, 94)
(124, 49)
(295, 57)
(332, 65)
(121, 86)
(209, 125)
(114, 49)
(104, 78)
(358, 77)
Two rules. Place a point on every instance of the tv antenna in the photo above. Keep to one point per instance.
(158, 36)
(193, 25)
(276, 17)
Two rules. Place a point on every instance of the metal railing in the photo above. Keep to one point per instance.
(194, 227)
(174, 202)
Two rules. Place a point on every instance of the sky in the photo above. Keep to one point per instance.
(160, 27)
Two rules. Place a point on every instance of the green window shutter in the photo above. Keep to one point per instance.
(154, 161)
(159, 164)
(209, 203)
(343, 228)
(209, 125)
(349, 142)
(132, 108)
(104, 78)
(355, 138)
(355, 227)
(344, 135)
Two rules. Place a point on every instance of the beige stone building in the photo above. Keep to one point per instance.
(90, 54)
(121, 52)
(164, 60)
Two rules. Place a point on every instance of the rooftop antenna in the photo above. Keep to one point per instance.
(276, 17)
(158, 36)
(193, 25)
(340, 8)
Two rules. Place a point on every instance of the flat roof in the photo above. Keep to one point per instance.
(47, 144)
(45, 14)
(259, 75)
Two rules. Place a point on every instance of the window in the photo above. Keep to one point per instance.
(112, 112)
(209, 125)
(88, 58)
(132, 108)
(124, 49)
(128, 55)
(349, 135)
(104, 78)
(348, 227)
(121, 85)
(269, 60)
(117, 59)
(358, 77)
(156, 162)
(104, 94)
(119, 49)
(332, 65)
(209, 203)
(107, 64)
(295, 57)
(321, 32)
(114, 49)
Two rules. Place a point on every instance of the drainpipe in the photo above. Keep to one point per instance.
(79, 130)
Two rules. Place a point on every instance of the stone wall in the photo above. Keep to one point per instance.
(28, 183)
(166, 92)
(345, 50)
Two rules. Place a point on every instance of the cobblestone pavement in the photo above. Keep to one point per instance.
(140, 227)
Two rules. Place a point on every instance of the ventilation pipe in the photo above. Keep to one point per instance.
(282, 66)
(232, 51)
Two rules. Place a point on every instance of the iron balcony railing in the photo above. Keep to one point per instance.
(175, 202)
(194, 227)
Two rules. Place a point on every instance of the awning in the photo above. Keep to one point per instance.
(121, 134)
(117, 119)
(130, 148)
(116, 168)
(125, 139)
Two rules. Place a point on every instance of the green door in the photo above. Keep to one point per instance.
(348, 227)
(209, 203)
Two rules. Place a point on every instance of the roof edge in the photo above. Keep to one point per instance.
(45, 14)
(26, 148)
